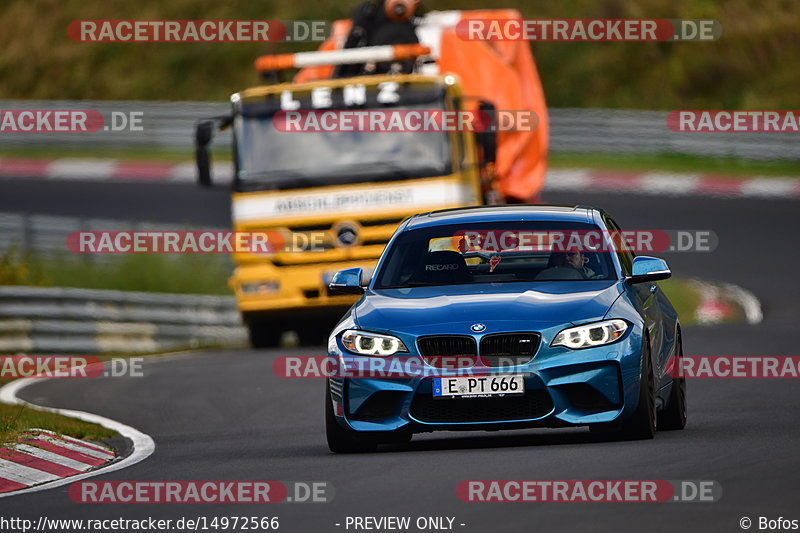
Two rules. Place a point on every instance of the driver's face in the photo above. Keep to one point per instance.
(575, 259)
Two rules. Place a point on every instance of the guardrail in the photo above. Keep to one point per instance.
(47, 235)
(170, 125)
(88, 321)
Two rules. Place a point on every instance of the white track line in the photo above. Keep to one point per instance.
(51, 457)
(143, 445)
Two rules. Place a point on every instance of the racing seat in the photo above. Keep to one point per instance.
(441, 267)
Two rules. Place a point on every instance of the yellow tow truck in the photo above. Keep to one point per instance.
(337, 196)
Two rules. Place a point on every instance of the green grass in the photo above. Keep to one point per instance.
(727, 166)
(684, 298)
(180, 273)
(17, 419)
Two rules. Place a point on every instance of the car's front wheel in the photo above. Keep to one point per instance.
(642, 425)
(674, 415)
(339, 439)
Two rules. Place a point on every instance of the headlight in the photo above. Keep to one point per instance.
(364, 343)
(596, 334)
(260, 287)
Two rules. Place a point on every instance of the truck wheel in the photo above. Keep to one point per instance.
(642, 425)
(264, 334)
(674, 416)
(312, 335)
(339, 439)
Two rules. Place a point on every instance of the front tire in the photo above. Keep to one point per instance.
(642, 425)
(339, 439)
(675, 414)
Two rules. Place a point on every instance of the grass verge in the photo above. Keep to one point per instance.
(18, 419)
(170, 273)
(665, 162)
(684, 297)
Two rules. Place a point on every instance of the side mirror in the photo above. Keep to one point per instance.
(346, 282)
(203, 135)
(487, 139)
(649, 269)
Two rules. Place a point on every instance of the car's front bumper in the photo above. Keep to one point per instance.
(562, 388)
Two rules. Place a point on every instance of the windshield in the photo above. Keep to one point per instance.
(506, 252)
(269, 158)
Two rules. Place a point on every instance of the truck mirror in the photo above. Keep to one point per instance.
(204, 133)
(487, 138)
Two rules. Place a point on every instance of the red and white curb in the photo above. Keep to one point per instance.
(558, 179)
(719, 302)
(41, 456)
(671, 184)
(45, 460)
(79, 169)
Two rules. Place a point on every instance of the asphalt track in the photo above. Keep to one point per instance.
(225, 416)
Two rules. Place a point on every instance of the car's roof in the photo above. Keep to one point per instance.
(500, 213)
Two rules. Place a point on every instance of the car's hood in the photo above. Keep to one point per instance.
(424, 309)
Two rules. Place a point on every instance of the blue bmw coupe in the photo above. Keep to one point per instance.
(509, 327)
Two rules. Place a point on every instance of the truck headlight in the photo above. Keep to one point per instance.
(259, 287)
(589, 335)
(364, 343)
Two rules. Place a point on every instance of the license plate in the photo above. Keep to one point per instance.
(479, 386)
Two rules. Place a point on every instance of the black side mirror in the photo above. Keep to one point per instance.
(487, 139)
(647, 269)
(203, 135)
(347, 282)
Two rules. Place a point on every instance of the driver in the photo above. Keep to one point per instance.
(574, 259)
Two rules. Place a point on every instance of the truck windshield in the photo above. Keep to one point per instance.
(273, 159)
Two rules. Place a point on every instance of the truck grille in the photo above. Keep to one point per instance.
(508, 349)
(533, 404)
(448, 351)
